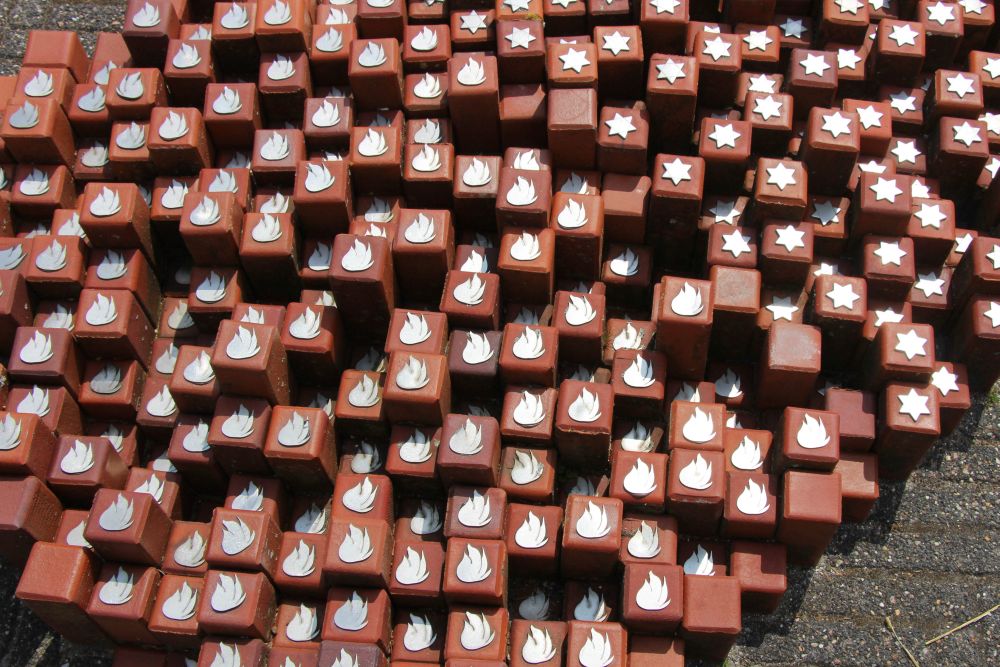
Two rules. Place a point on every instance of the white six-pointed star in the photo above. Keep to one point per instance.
(888, 315)
(473, 22)
(724, 135)
(966, 133)
(757, 40)
(761, 83)
(825, 212)
(945, 381)
(930, 284)
(520, 38)
(735, 243)
(993, 314)
(885, 189)
(767, 107)
(564, 3)
(903, 35)
(941, 13)
(972, 6)
(837, 124)
(790, 238)
(620, 125)
(815, 64)
(517, 5)
(616, 43)
(992, 67)
(963, 242)
(574, 60)
(992, 121)
(994, 256)
(717, 48)
(913, 404)
(911, 344)
(676, 171)
(902, 101)
(793, 28)
(842, 295)
(889, 252)
(869, 117)
(930, 215)
(670, 70)
(668, 6)
(961, 85)
(872, 167)
(847, 59)
(993, 166)
(780, 176)
(725, 211)
(849, 6)
(919, 189)
(782, 308)
(905, 151)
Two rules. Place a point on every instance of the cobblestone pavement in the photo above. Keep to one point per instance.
(927, 556)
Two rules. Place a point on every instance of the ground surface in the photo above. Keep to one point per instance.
(927, 556)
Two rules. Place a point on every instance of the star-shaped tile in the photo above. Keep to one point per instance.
(782, 308)
(814, 64)
(670, 70)
(767, 107)
(837, 124)
(913, 404)
(963, 242)
(717, 48)
(574, 60)
(930, 284)
(887, 315)
(780, 176)
(902, 101)
(889, 252)
(826, 269)
(520, 38)
(904, 35)
(966, 133)
(877, 4)
(725, 211)
(517, 5)
(992, 67)
(724, 135)
(930, 215)
(761, 83)
(825, 212)
(735, 243)
(793, 28)
(941, 13)
(872, 167)
(676, 171)
(757, 40)
(945, 381)
(849, 6)
(994, 257)
(961, 85)
(993, 166)
(992, 121)
(847, 59)
(842, 295)
(919, 189)
(905, 151)
(993, 314)
(911, 344)
(870, 117)
(885, 189)
(564, 3)
(972, 6)
(620, 125)
(790, 238)
(661, 6)
(473, 22)
(616, 43)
